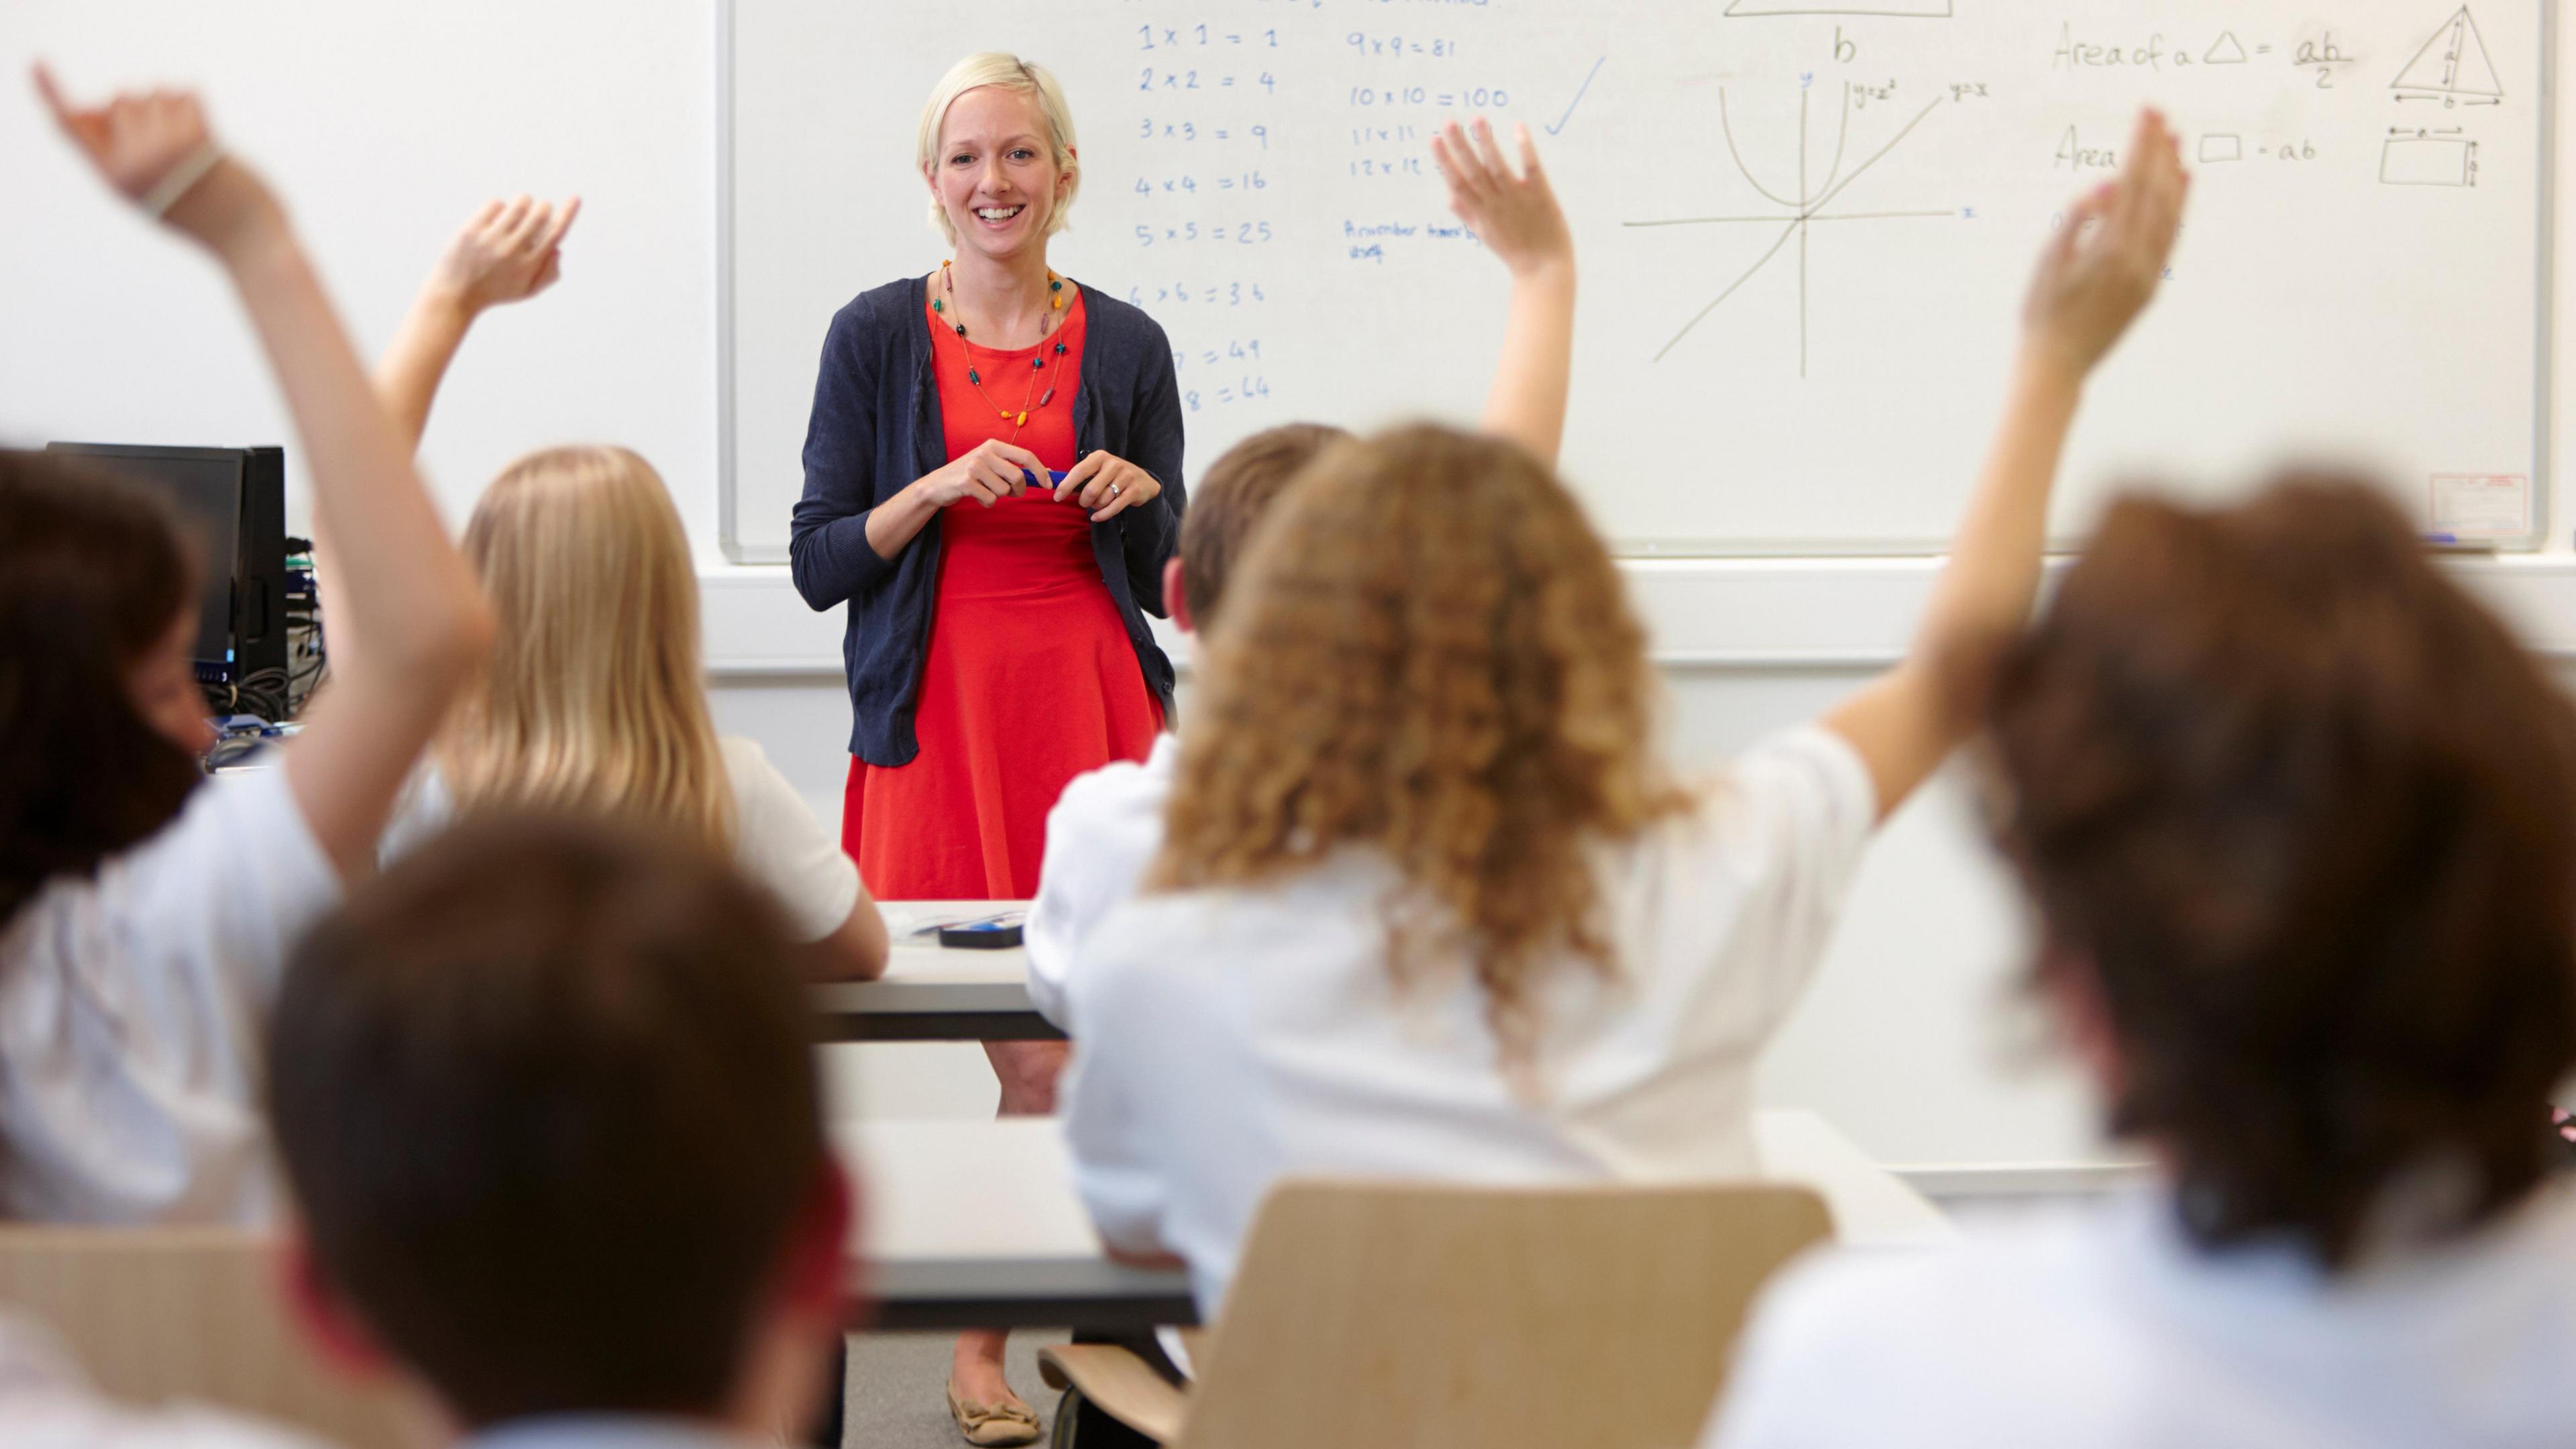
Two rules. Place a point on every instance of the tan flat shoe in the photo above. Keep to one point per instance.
(1011, 1422)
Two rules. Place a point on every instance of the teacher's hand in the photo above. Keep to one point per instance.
(986, 473)
(1107, 485)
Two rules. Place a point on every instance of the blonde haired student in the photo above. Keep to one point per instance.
(1429, 902)
(594, 698)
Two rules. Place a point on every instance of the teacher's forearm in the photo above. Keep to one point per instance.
(895, 523)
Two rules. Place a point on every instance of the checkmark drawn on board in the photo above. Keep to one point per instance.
(1578, 96)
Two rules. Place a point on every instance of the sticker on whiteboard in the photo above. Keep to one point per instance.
(2482, 505)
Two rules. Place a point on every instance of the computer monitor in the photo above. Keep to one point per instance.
(233, 503)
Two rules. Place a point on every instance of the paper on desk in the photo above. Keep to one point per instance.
(916, 920)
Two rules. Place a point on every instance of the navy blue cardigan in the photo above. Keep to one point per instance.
(876, 428)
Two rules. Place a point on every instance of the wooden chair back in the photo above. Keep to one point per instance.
(1435, 1317)
(165, 1315)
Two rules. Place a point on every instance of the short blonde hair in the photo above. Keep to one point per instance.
(1010, 73)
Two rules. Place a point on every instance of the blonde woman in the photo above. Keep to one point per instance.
(996, 639)
(997, 644)
(1429, 903)
(594, 696)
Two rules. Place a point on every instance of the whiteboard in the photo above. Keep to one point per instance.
(1803, 228)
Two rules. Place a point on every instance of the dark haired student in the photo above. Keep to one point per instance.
(546, 1098)
(546, 1101)
(145, 914)
(2299, 821)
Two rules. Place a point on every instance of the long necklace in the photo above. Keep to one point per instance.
(1037, 365)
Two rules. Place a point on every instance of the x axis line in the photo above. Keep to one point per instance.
(1838, 216)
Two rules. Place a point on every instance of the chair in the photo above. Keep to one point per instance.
(1434, 1316)
(187, 1314)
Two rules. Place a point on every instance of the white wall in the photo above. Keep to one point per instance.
(386, 124)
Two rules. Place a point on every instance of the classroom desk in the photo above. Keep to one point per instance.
(933, 993)
(972, 1224)
(975, 1224)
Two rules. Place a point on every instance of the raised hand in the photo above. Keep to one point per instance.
(157, 151)
(1516, 217)
(2103, 265)
(509, 252)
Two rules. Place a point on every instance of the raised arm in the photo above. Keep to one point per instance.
(2096, 274)
(412, 607)
(507, 253)
(1518, 220)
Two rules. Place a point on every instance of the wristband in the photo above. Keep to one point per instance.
(182, 179)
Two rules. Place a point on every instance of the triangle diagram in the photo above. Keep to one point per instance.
(2228, 51)
(1907, 9)
(2453, 63)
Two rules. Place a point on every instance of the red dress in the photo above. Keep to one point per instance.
(1029, 679)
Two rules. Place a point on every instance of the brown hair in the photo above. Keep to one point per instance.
(1429, 652)
(1235, 493)
(92, 574)
(2305, 815)
(545, 1097)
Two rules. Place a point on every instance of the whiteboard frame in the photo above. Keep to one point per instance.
(2543, 474)
(2544, 398)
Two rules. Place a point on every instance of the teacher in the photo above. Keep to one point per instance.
(997, 644)
(992, 484)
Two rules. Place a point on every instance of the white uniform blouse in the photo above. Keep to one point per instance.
(1228, 1037)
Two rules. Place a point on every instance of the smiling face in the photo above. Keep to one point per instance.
(994, 174)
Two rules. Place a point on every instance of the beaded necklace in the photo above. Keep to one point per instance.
(1037, 364)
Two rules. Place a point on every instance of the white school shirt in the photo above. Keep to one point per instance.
(47, 1403)
(1231, 1037)
(2103, 1326)
(777, 841)
(131, 1005)
(1105, 829)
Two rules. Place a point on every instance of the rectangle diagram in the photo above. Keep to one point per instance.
(2428, 161)
(2221, 148)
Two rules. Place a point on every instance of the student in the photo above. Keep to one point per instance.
(1107, 825)
(2298, 819)
(546, 1100)
(594, 697)
(147, 912)
(1468, 927)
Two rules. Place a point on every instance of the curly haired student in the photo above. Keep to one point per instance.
(1430, 903)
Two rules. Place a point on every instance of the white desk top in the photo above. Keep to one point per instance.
(1004, 1189)
(923, 959)
(1872, 1207)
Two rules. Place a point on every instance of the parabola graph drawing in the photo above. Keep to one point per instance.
(1803, 209)
(1898, 9)
(2454, 63)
